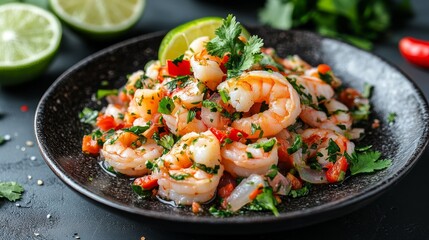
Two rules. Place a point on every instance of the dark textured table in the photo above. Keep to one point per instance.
(53, 211)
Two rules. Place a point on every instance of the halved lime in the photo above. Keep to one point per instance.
(29, 38)
(99, 19)
(177, 40)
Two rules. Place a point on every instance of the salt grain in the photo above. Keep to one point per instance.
(48, 216)
(32, 158)
(29, 177)
(18, 205)
(29, 143)
(36, 234)
(39, 182)
(6, 137)
(23, 149)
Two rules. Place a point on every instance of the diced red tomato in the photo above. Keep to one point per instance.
(348, 96)
(89, 145)
(146, 182)
(284, 157)
(127, 138)
(226, 190)
(182, 68)
(233, 134)
(323, 68)
(106, 122)
(337, 171)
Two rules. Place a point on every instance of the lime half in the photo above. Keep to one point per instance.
(99, 19)
(29, 38)
(177, 40)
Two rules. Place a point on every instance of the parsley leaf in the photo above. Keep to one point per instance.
(367, 162)
(212, 106)
(179, 177)
(206, 169)
(297, 144)
(267, 145)
(242, 55)
(178, 59)
(12, 191)
(191, 116)
(167, 141)
(166, 105)
(333, 150)
(88, 115)
(219, 213)
(304, 191)
(391, 117)
(265, 201)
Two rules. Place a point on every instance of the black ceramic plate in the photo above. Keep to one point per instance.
(59, 133)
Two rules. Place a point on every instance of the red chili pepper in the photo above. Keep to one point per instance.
(236, 135)
(415, 51)
(106, 122)
(219, 134)
(337, 171)
(146, 182)
(181, 68)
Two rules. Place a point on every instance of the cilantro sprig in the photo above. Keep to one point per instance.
(242, 55)
(12, 191)
(366, 161)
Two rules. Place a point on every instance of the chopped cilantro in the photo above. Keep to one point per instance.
(366, 162)
(342, 126)
(137, 130)
(167, 141)
(272, 172)
(212, 106)
(224, 96)
(166, 105)
(101, 93)
(267, 145)
(363, 149)
(333, 150)
(249, 155)
(367, 90)
(179, 59)
(12, 191)
(179, 177)
(242, 55)
(327, 77)
(304, 191)
(254, 127)
(391, 117)
(2, 140)
(88, 115)
(191, 116)
(206, 169)
(139, 190)
(297, 144)
(219, 212)
(361, 112)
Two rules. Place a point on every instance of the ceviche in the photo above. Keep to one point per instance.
(231, 125)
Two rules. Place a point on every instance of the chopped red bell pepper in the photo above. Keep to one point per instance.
(106, 122)
(181, 68)
(90, 146)
(219, 134)
(337, 171)
(233, 134)
(146, 182)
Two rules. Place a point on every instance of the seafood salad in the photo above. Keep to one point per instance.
(231, 125)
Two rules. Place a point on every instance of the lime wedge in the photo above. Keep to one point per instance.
(99, 19)
(29, 38)
(177, 40)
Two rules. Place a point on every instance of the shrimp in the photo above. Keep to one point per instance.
(116, 111)
(314, 87)
(128, 153)
(179, 121)
(191, 171)
(329, 77)
(196, 46)
(155, 72)
(190, 94)
(243, 160)
(295, 64)
(318, 141)
(211, 114)
(257, 87)
(337, 117)
(145, 103)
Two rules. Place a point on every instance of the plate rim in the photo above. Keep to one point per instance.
(334, 206)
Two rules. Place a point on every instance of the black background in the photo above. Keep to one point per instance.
(400, 213)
